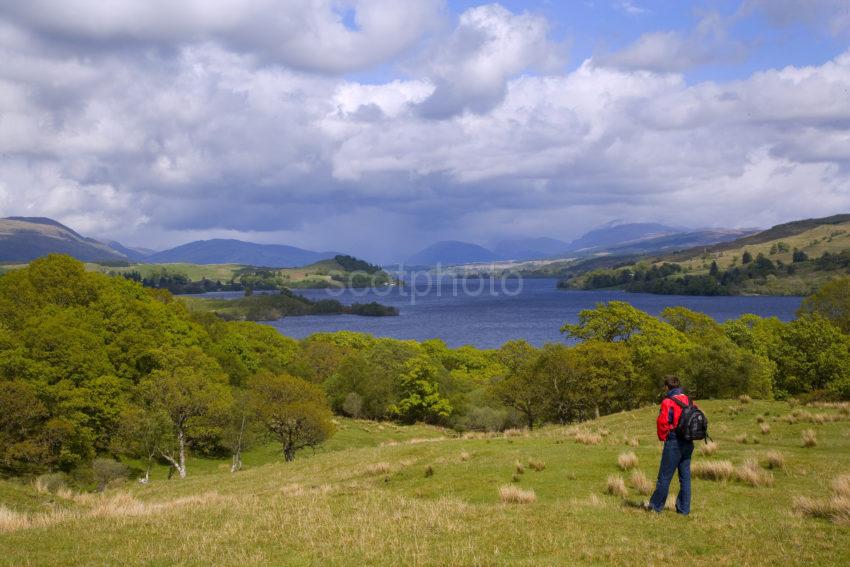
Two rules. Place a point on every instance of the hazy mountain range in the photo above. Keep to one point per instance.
(23, 239)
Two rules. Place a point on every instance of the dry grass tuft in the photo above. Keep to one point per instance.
(11, 521)
(429, 471)
(633, 442)
(750, 473)
(465, 456)
(774, 460)
(616, 486)
(519, 467)
(835, 508)
(516, 478)
(588, 438)
(713, 470)
(514, 432)
(709, 448)
(627, 461)
(760, 419)
(378, 468)
(641, 484)
(536, 465)
(841, 485)
(765, 428)
(742, 438)
(745, 399)
(809, 437)
(510, 494)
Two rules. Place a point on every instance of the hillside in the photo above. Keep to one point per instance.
(789, 259)
(367, 498)
(23, 239)
(228, 251)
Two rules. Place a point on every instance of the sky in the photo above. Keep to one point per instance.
(377, 127)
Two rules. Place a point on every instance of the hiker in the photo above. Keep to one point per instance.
(676, 455)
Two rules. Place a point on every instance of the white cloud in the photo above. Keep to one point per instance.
(160, 146)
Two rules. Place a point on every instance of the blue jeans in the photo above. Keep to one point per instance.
(676, 456)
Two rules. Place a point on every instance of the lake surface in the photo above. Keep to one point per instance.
(488, 317)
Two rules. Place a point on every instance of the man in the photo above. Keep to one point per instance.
(676, 454)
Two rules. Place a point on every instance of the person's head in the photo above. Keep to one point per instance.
(671, 382)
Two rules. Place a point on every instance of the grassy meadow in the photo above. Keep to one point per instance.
(385, 494)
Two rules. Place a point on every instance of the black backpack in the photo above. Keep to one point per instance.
(692, 424)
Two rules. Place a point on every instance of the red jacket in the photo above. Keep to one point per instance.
(668, 417)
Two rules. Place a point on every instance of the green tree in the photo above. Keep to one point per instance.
(520, 388)
(191, 389)
(831, 301)
(420, 397)
(812, 356)
(746, 258)
(295, 411)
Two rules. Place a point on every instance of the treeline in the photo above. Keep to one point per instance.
(669, 279)
(179, 283)
(271, 307)
(96, 369)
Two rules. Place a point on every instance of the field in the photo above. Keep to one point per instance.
(382, 494)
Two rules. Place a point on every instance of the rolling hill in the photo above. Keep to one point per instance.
(228, 251)
(23, 239)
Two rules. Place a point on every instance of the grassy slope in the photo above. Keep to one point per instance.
(332, 509)
(814, 241)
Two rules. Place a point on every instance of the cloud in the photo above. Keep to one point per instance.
(831, 15)
(676, 51)
(490, 45)
(311, 35)
(157, 146)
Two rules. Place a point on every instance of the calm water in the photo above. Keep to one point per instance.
(535, 313)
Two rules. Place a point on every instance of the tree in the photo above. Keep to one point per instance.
(718, 368)
(831, 301)
(191, 389)
(813, 355)
(142, 434)
(520, 388)
(420, 398)
(746, 258)
(714, 271)
(295, 411)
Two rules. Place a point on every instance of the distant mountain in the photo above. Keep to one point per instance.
(132, 254)
(619, 235)
(23, 239)
(225, 251)
(450, 253)
(679, 241)
(529, 248)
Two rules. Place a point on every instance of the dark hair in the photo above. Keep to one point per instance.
(672, 381)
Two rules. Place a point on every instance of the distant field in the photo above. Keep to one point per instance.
(383, 494)
(223, 272)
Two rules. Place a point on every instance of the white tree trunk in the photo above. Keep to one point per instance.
(180, 462)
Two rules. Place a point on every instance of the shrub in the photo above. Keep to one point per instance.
(809, 437)
(707, 449)
(616, 486)
(107, 471)
(713, 470)
(640, 483)
(510, 494)
(627, 461)
(536, 465)
(774, 460)
(50, 482)
(750, 473)
(765, 428)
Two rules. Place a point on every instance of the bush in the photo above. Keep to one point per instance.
(107, 471)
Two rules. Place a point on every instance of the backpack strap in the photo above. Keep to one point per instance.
(680, 403)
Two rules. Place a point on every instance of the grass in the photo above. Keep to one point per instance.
(627, 461)
(510, 494)
(327, 508)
